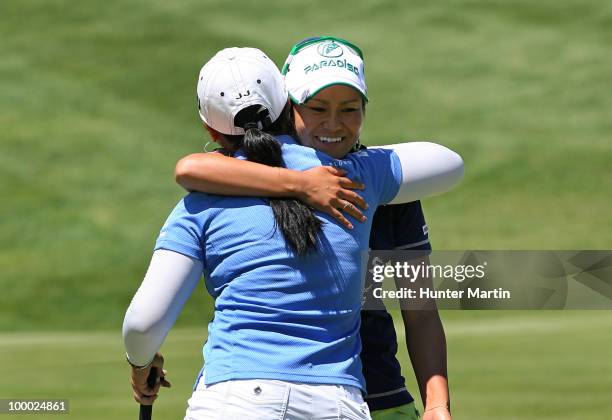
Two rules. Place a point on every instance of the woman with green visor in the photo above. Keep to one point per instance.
(325, 80)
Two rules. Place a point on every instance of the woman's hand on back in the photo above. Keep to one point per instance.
(325, 188)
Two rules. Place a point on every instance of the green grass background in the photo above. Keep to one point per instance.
(97, 102)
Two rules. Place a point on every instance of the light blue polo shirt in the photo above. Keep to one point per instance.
(279, 316)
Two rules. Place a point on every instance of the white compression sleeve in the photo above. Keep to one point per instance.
(427, 169)
(169, 282)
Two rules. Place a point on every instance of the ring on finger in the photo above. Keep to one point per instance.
(345, 206)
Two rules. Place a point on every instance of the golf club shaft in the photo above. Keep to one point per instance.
(146, 411)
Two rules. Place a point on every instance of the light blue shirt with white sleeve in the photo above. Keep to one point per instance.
(279, 316)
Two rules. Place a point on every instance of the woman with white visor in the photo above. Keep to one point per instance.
(284, 342)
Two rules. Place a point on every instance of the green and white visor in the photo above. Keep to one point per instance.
(316, 63)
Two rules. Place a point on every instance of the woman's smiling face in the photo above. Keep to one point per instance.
(331, 120)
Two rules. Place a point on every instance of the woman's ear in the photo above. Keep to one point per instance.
(214, 134)
(218, 138)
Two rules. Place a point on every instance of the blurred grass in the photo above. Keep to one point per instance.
(509, 365)
(97, 104)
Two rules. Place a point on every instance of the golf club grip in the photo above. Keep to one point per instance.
(146, 411)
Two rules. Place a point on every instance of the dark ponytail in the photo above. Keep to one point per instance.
(296, 220)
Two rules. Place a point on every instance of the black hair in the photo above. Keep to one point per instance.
(297, 222)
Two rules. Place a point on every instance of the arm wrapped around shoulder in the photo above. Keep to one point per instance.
(427, 169)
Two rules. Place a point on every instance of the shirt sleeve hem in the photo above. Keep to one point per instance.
(182, 248)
